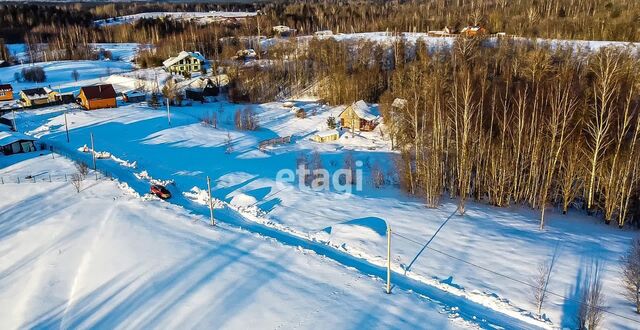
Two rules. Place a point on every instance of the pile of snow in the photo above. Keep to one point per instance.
(201, 196)
(124, 163)
(246, 204)
(144, 175)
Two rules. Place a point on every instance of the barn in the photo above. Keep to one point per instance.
(97, 97)
(15, 143)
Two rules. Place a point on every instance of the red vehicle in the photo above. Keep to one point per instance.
(160, 191)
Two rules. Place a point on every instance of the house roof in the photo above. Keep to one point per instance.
(472, 28)
(5, 87)
(134, 93)
(98, 92)
(399, 103)
(183, 54)
(362, 110)
(7, 138)
(327, 133)
(37, 93)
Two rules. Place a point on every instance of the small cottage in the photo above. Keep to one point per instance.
(358, 116)
(15, 143)
(37, 97)
(65, 98)
(200, 87)
(134, 96)
(283, 30)
(97, 97)
(6, 92)
(472, 31)
(326, 136)
(185, 62)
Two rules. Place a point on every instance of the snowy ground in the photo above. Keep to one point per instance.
(59, 74)
(200, 17)
(484, 242)
(105, 258)
(480, 263)
(120, 51)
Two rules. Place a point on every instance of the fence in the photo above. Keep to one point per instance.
(275, 141)
(52, 176)
(48, 177)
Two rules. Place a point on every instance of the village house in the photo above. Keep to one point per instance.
(200, 87)
(358, 116)
(15, 143)
(65, 98)
(185, 62)
(97, 97)
(282, 30)
(134, 96)
(326, 136)
(37, 96)
(6, 92)
(472, 31)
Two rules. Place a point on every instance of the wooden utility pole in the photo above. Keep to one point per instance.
(93, 152)
(168, 112)
(210, 201)
(388, 258)
(66, 126)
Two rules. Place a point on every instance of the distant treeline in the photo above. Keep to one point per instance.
(568, 19)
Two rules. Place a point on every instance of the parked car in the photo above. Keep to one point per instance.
(160, 191)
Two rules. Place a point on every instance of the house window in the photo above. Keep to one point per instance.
(2, 93)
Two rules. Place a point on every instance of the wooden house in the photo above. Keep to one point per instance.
(472, 31)
(37, 97)
(134, 96)
(97, 97)
(185, 62)
(15, 143)
(359, 117)
(6, 92)
(326, 136)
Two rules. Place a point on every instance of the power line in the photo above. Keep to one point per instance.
(603, 309)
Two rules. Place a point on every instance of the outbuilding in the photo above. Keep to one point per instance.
(97, 97)
(134, 96)
(326, 136)
(15, 143)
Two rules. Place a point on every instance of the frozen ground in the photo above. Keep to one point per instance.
(105, 258)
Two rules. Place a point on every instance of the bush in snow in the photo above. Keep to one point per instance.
(34, 74)
(76, 181)
(631, 273)
(592, 309)
(331, 122)
(83, 168)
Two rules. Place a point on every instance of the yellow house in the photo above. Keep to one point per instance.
(326, 136)
(359, 117)
(185, 62)
(37, 96)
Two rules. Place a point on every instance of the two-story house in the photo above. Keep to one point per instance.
(188, 62)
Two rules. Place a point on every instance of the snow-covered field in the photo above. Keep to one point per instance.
(200, 17)
(477, 267)
(105, 258)
(120, 51)
(59, 74)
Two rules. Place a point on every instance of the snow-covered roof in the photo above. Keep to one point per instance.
(399, 103)
(362, 110)
(7, 138)
(37, 93)
(281, 28)
(323, 33)
(327, 133)
(471, 28)
(134, 93)
(183, 54)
